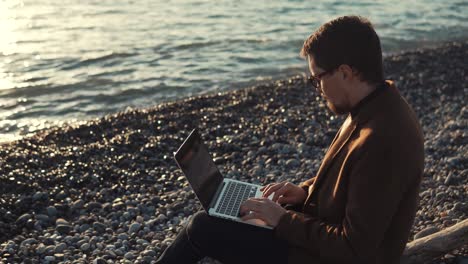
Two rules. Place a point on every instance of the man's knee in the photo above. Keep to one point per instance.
(198, 224)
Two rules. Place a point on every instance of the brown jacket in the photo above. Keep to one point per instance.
(362, 203)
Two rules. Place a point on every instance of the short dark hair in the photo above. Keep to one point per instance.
(349, 40)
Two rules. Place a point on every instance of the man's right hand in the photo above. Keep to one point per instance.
(285, 193)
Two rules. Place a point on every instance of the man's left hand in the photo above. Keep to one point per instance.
(262, 208)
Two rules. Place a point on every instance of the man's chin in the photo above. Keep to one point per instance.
(336, 109)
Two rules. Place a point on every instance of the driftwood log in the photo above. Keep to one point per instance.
(425, 249)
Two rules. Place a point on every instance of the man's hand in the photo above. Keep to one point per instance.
(263, 209)
(285, 193)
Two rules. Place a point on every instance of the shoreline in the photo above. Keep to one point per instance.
(113, 180)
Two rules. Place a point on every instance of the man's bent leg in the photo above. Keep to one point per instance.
(227, 241)
(180, 251)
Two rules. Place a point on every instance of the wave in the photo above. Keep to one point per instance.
(48, 90)
(208, 43)
(89, 61)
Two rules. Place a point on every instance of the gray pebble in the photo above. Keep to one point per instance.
(149, 252)
(292, 163)
(94, 205)
(99, 227)
(61, 221)
(40, 196)
(129, 256)
(78, 204)
(28, 241)
(134, 228)
(23, 219)
(50, 249)
(450, 180)
(123, 236)
(161, 218)
(85, 247)
(42, 217)
(60, 247)
(99, 261)
(52, 211)
(41, 248)
(63, 229)
(83, 228)
(49, 258)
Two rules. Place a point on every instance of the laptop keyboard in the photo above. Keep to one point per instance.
(235, 194)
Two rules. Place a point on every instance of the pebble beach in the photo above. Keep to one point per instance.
(109, 191)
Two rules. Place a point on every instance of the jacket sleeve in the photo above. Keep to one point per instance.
(377, 181)
(305, 186)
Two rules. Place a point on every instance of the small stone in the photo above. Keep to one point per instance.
(118, 206)
(99, 227)
(440, 196)
(83, 228)
(85, 247)
(61, 221)
(168, 241)
(61, 195)
(40, 196)
(293, 163)
(60, 247)
(41, 248)
(134, 228)
(454, 161)
(49, 249)
(23, 219)
(457, 206)
(149, 252)
(99, 261)
(78, 204)
(450, 180)
(63, 229)
(42, 217)
(49, 258)
(129, 256)
(161, 218)
(28, 241)
(122, 236)
(94, 205)
(52, 211)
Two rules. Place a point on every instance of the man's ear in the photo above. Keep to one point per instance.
(346, 71)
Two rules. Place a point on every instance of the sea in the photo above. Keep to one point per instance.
(69, 61)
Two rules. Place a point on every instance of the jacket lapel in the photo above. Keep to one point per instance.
(342, 137)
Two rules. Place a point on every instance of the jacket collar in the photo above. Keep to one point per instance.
(376, 101)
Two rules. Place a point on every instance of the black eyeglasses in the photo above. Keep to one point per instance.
(315, 80)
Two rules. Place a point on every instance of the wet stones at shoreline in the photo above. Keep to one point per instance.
(109, 190)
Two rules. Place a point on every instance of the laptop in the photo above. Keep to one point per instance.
(220, 197)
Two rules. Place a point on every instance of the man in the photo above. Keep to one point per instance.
(361, 205)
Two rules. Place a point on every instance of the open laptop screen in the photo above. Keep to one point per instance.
(199, 168)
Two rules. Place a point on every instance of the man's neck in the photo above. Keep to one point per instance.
(361, 91)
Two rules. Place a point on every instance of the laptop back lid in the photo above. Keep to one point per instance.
(199, 168)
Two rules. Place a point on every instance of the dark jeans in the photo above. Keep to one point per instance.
(226, 241)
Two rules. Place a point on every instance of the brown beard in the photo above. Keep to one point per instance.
(337, 109)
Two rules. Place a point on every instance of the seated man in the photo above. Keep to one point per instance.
(361, 205)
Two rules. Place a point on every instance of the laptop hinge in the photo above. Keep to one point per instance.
(218, 192)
